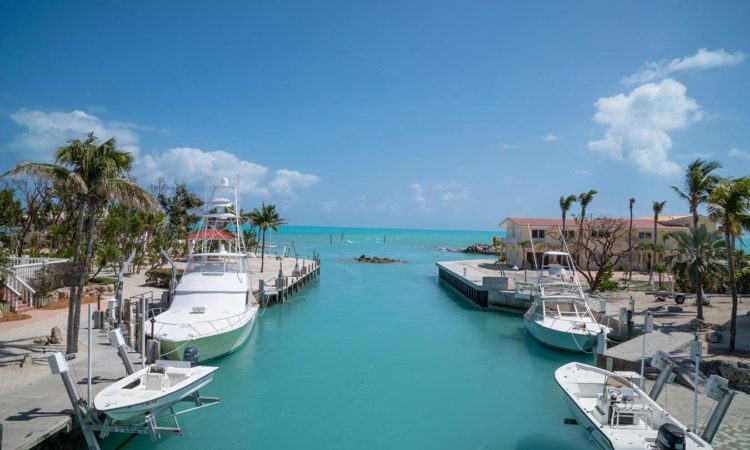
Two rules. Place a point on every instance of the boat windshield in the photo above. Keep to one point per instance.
(215, 263)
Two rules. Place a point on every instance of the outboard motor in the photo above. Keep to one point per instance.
(191, 355)
(670, 437)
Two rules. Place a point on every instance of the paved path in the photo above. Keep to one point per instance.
(31, 412)
(734, 433)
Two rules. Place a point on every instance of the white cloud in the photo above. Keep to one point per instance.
(739, 153)
(637, 124)
(549, 137)
(703, 59)
(46, 131)
(453, 191)
(507, 147)
(417, 193)
(192, 165)
(287, 182)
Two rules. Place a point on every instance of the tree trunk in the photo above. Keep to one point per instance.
(699, 297)
(263, 251)
(630, 245)
(733, 288)
(653, 259)
(84, 270)
(74, 306)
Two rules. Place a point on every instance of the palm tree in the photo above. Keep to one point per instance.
(729, 204)
(630, 241)
(699, 253)
(565, 204)
(660, 268)
(658, 207)
(584, 199)
(266, 218)
(96, 172)
(698, 184)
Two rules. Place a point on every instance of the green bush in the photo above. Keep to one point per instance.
(160, 277)
(606, 283)
(53, 276)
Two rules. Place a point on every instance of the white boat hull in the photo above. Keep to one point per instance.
(588, 397)
(209, 346)
(572, 342)
(107, 401)
(592, 429)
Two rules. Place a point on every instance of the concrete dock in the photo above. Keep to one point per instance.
(483, 283)
(33, 412)
(33, 402)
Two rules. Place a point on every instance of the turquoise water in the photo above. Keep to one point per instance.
(382, 357)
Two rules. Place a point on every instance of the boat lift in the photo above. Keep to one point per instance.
(90, 420)
(717, 388)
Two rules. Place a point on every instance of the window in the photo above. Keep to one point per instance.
(644, 235)
(537, 234)
(570, 234)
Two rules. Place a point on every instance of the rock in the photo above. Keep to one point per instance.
(27, 360)
(697, 324)
(714, 338)
(735, 374)
(674, 308)
(482, 249)
(376, 260)
(55, 336)
(110, 288)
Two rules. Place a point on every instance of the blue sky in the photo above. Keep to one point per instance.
(421, 114)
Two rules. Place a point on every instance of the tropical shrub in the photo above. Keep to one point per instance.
(160, 277)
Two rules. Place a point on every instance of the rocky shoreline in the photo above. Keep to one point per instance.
(377, 260)
(474, 249)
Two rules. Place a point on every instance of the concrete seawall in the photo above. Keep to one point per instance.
(482, 285)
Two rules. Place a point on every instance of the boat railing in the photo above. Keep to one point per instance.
(230, 321)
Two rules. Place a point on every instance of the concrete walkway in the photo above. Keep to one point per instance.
(31, 412)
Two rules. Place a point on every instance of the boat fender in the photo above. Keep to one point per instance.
(191, 355)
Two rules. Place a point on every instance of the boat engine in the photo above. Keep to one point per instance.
(670, 437)
(191, 355)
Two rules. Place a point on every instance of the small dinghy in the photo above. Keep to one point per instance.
(620, 416)
(151, 389)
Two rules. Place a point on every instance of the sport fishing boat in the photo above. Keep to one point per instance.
(213, 308)
(151, 390)
(618, 415)
(559, 315)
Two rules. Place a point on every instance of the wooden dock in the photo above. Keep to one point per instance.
(281, 287)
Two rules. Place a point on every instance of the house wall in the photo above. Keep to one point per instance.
(517, 255)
